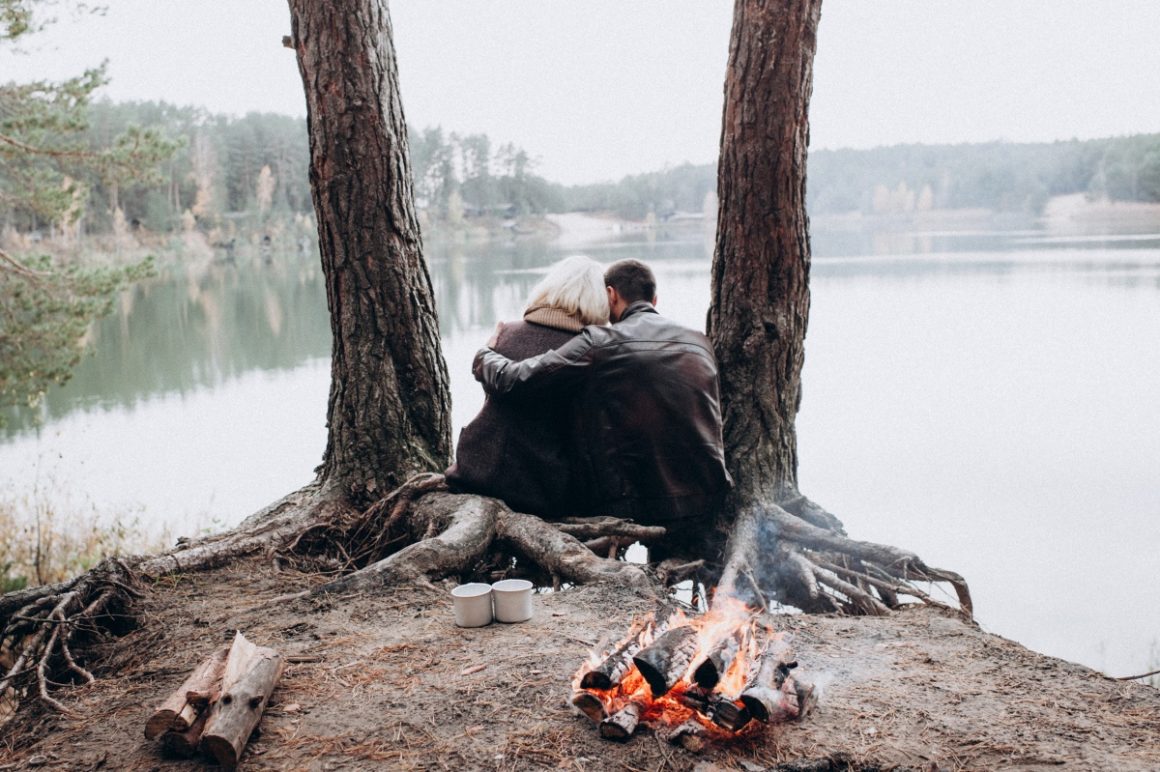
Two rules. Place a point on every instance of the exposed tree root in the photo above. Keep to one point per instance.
(797, 554)
(450, 535)
(37, 639)
(266, 531)
(773, 554)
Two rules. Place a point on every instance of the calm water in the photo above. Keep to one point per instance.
(989, 400)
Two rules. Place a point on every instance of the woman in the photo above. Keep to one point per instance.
(522, 452)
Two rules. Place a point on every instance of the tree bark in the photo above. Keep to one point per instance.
(389, 405)
(761, 264)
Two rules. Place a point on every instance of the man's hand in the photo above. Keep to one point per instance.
(494, 339)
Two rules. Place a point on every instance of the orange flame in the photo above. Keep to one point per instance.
(727, 618)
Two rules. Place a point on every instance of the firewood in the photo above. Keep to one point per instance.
(621, 724)
(664, 662)
(771, 695)
(184, 744)
(616, 665)
(717, 708)
(687, 735)
(590, 705)
(710, 669)
(728, 714)
(176, 713)
(249, 678)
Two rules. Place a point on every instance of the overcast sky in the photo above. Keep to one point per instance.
(603, 88)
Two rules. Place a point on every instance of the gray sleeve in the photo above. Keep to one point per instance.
(500, 375)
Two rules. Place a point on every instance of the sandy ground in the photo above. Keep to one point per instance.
(398, 686)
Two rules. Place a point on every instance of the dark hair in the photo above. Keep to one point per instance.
(632, 279)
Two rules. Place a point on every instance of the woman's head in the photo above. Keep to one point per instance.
(575, 285)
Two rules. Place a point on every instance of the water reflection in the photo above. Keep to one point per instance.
(195, 327)
(987, 399)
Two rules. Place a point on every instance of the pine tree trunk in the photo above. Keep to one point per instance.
(761, 265)
(389, 407)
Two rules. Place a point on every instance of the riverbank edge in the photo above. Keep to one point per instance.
(388, 680)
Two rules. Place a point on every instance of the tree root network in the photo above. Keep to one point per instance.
(794, 553)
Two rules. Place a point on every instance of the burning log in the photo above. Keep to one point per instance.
(590, 705)
(179, 711)
(719, 709)
(250, 674)
(771, 694)
(709, 671)
(621, 724)
(616, 665)
(664, 662)
(727, 714)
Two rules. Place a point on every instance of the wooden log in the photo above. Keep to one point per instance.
(176, 713)
(714, 665)
(727, 714)
(247, 682)
(617, 664)
(664, 662)
(621, 724)
(184, 744)
(719, 709)
(771, 696)
(688, 735)
(590, 705)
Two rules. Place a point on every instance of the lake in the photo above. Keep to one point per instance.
(988, 399)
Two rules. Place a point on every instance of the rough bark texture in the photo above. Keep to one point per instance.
(761, 265)
(389, 407)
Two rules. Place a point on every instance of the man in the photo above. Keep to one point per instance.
(649, 415)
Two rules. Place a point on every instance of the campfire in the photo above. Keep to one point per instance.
(719, 674)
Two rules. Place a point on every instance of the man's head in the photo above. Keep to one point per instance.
(627, 282)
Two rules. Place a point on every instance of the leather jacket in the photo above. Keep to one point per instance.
(648, 413)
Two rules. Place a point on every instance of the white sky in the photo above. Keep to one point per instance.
(603, 88)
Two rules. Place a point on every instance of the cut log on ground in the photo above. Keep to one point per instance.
(179, 711)
(247, 683)
(185, 744)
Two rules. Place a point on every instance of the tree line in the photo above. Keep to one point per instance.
(168, 168)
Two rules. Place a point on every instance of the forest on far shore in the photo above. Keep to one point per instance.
(239, 172)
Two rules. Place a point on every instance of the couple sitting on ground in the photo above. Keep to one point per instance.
(584, 417)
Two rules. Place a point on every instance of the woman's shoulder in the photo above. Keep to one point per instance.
(521, 339)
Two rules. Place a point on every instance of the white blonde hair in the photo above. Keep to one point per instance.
(575, 285)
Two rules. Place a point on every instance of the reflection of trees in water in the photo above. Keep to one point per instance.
(198, 326)
(202, 324)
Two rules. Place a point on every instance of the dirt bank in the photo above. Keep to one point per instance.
(397, 686)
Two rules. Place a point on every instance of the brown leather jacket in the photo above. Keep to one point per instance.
(648, 411)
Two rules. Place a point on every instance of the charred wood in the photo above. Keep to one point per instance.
(709, 671)
(621, 724)
(664, 662)
(771, 695)
(590, 705)
(688, 735)
(616, 665)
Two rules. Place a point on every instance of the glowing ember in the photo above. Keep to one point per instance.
(712, 673)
